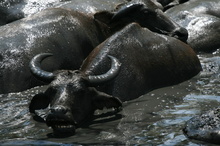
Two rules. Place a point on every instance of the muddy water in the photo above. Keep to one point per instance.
(156, 118)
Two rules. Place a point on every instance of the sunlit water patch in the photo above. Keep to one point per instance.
(16, 121)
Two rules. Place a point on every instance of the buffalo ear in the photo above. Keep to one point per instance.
(104, 16)
(102, 100)
(39, 101)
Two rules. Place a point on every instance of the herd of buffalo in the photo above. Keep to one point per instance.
(96, 54)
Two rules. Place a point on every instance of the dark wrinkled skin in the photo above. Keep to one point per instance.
(72, 98)
(69, 35)
(202, 20)
(204, 127)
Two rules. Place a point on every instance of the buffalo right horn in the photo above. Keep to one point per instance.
(35, 67)
(112, 73)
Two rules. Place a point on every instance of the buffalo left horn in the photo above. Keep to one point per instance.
(112, 73)
(35, 67)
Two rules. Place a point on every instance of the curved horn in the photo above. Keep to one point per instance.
(35, 66)
(112, 73)
(128, 9)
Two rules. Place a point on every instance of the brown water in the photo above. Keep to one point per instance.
(156, 118)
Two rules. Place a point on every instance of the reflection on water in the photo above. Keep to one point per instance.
(156, 118)
(16, 122)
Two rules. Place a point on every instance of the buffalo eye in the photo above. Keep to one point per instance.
(145, 11)
(148, 12)
(51, 91)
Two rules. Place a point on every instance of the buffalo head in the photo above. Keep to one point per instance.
(71, 98)
(148, 15)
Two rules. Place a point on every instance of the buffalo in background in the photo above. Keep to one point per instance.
(202, 20)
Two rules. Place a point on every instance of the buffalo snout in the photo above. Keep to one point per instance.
(61, 121)
(181, 34)
(59, 110)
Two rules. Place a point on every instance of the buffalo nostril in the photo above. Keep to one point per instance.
(181, 33)
(59, 110)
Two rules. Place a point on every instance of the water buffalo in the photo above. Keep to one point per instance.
(140, 62)
(202, 20)
(67, 34)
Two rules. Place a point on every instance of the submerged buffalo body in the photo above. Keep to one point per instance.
(70, 36)
(202, 20)
(127, 65)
